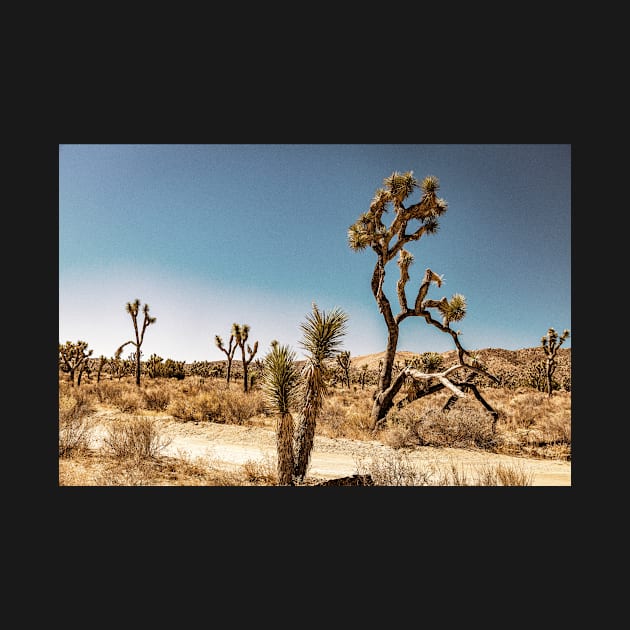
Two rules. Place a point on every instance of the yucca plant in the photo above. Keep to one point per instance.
(280, 381)
(322, 334)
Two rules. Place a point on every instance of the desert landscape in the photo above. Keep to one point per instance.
(230, 244)
(204, 431)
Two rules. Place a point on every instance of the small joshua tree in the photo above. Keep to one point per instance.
(550, 344)
(102, 362)
(72, 357)
(154, 366)
(322, 334)
(280, 380)
(229, 353)
(133, 308)
(343, 360)
(364, 370)
(241, 334)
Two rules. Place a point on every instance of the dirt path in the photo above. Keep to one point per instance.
(230, 446)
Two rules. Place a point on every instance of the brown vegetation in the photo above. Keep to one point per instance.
(131, 419)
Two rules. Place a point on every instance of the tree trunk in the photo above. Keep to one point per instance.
(384, 401)
(244, 373)
(284, 448)
(138, 366)
(303, 446)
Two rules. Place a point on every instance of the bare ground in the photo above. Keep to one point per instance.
(229, 446)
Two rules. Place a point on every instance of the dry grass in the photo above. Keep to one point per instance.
(75, 425)
(136, 438)
(99, 469)
(398, 470)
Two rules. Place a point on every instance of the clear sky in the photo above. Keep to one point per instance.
(208, 235)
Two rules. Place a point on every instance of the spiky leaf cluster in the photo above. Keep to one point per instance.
(400, 185)
(322, 333)
(453, 310)
(431, 362)
(280, 378)
(369, 230)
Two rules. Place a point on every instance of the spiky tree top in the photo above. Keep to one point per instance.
(370, 231)
(280, 378)
(551, 342)
(133, 308)
(322, 333)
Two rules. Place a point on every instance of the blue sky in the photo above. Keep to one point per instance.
(208, 235)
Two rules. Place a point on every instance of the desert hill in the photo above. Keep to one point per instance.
(507, 365)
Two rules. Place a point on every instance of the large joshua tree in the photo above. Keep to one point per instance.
(133, 308)
(409, 223)
(322, 334)
(550, 344)
(280, 380)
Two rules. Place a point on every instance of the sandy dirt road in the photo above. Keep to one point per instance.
(230, 446)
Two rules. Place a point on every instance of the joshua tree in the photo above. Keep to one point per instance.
(343, 359)
(73, 356)
(102, 362)
(388, 242)
(322, 335)
(229, 353)
(133, 308)
(280, 378)
(550, 344)
(364, 369)
(154, 366)
(241, 334)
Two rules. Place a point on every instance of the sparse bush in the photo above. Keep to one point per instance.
(75, 425)
(156, 398)
(217, 405)
(136, 438)
(109, 393)
(395, 470)
(261, 473)
(503, 475)
(464, 427)
(129, 402)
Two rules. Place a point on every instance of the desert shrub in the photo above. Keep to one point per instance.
(240, 406)
(557, 430)
(397, 470)
(136, 438)
(345, 414)
(393, 470)
(215, 404)
(156, 398)
(460, 427)
(129, 402)
(261, 473)
(108, 393)
(75, 425)
(127, 472)
(504, 475)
